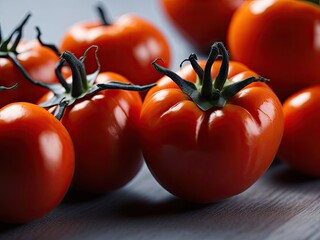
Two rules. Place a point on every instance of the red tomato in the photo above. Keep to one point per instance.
(280, 40)
(38, 62)
(202, 22)
(103, 130)
(102, 126)
(209, 155)
(126, 46)
(37, 162)
(299, 146)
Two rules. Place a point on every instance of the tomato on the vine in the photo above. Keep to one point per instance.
(37, 62)
(211, 133)
(280, 40)
(127, 46)
(37, 162)
(299, 146)
(101, 116)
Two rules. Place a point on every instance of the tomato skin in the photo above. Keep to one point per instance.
(280, 40)
(128, 46)
(103, 129)
(39, 62)
(299, 148)
(37, 162)
(201, 22)
(209, 156)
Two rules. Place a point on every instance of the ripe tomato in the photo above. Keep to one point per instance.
(102, 126)
(126, 46)
(201, 22)
(299, 146)
(38, 62)
(280, 40)
(207, 149)
(37, 162)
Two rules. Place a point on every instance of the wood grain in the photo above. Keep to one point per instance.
(281, 205)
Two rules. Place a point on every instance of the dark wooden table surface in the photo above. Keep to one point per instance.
(281, 205)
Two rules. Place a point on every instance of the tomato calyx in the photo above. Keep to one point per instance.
(82, 84)
(208, 93)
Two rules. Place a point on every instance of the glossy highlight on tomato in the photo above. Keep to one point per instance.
(208, 155)
(103, 130)
(280, 40)
(102, 118)
(299, 146)
(37, 162)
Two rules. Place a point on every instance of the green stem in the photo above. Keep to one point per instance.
(224, 69)
(186, 86)
(50, 46)
(16, 62)
(206, 90)
(125, 86)
(61, 107)
(0, 35)
(102, 15)
(60, 77)
(84, 78)
(232, 89)
(18, 30)
(317, 2)
(12, 54)
(76, 86)
(196, 67)
(2, 88)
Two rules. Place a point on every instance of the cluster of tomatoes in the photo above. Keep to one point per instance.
(79, 117)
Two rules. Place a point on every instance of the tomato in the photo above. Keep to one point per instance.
(201, 22)
(37, 162)
(126, 46)
(299, 145)
(280, 40)
(102, 125)
(20, 60)
(207, 145)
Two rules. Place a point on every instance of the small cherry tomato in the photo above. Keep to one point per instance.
(299, 146)
(280, 39)
(210, 135)
(37, 162)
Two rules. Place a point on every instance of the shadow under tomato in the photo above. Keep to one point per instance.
(233, 214)
(171, 205)
(4, 227)
(75, 196)
(288, 176)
